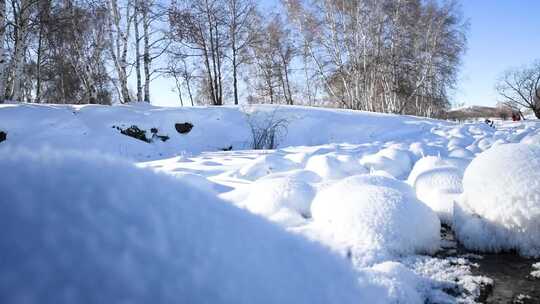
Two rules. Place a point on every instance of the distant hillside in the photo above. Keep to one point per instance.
(471, 112)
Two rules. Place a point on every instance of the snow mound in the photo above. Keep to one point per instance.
(439, 188)
(393, 161)
(329, 166)
(82, 228)
(500, 207)
(425, 164)
(269, 196)
(375, 219)
(264, 165)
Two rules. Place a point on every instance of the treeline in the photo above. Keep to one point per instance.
(398, 56)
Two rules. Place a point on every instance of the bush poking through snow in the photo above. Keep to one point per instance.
(500, 206)
(3, 136)
(114, 233)
(267, 129)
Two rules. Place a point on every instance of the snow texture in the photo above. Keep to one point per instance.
(375, 219)
(536, 270)
(335, 179)
(439, 188)
(82, 228)
(500, 207)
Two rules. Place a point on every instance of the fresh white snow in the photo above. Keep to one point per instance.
(374, 219)
(500, 206)
(82, 228)
(349, 203)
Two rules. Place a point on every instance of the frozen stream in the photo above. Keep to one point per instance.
(511, 274)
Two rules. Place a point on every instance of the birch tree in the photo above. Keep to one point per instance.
(3, 51)
(119, 22)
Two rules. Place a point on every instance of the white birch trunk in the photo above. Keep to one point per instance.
(3, 53)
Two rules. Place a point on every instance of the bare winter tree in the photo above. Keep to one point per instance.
(199, 26)
(520, 88)
(273, 52)
(388, 56)
(239, 19)
(184, 75)
(70, 53)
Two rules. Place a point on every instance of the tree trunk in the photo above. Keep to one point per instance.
(20, 49)
(147, 58)
(118, 47)
(137, 50)
(3, 53)
(235, 74)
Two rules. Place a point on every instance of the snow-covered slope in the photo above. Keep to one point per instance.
(90, 127)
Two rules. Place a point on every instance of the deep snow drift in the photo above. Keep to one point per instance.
(500, 205)
(80, 228)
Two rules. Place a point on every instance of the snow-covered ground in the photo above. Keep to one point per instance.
(348, 207)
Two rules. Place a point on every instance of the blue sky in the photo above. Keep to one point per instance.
(502, 34)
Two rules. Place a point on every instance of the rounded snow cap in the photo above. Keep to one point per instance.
(500, 206)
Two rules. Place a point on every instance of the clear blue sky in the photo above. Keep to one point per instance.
(502, 34)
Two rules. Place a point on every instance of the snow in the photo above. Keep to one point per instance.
(329, 166)
(439, 188)
(286, 194)
(536, 270)
(348, 203)
(90, 127)
(500, 206)
(100, 230)
(393, 161)
(263, 166)
(375, 219)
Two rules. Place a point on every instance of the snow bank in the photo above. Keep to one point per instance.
(376, 218)
(82, 228)
(500, 206)
(90, 127)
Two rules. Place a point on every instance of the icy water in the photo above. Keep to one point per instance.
(512, 282)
